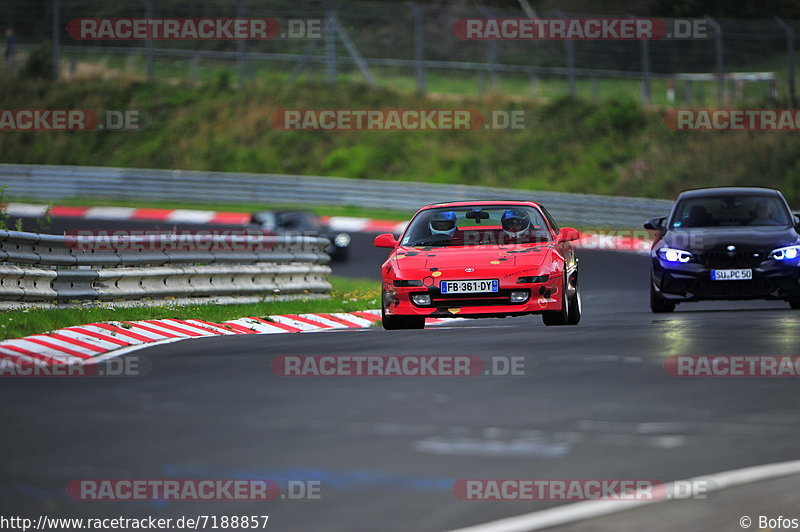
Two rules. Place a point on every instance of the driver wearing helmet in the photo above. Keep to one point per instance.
(443, 223)
(516, 223)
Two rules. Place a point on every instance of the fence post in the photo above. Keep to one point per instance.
(419, 45)
(491, 50)
(148, 44)
(718, 58)
(789, 58)
(330, 49)
(56, 38)
(569, 51)
(534, 84)
(193, 67)
(644, 53)
(240, 47)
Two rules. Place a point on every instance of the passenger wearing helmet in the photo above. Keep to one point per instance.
(516, 223)
(443, 223)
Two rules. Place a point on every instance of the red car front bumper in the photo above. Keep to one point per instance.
(546, 296)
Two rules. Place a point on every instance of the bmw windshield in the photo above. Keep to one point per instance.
(730, 211)
(475, 226)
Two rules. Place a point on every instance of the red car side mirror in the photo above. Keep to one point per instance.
(568, 234)
(385, 240)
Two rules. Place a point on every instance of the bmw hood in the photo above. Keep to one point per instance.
(742, 238)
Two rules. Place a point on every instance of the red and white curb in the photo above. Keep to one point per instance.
(129, 213)
(337, 223)
(94, 342)
(364, 225)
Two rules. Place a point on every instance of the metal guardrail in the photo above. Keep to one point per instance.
(52, 183)
(78, 269)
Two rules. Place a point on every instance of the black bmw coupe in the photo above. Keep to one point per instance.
(726, 243)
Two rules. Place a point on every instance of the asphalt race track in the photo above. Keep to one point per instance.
(595, 402)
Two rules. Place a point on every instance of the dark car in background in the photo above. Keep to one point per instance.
(306, 223)
(726, 243)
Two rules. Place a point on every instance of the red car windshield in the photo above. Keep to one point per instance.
(477, 226)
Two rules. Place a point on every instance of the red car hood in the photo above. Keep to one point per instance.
(481, 258)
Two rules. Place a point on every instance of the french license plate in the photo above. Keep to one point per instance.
(469, 287)
(731, 275)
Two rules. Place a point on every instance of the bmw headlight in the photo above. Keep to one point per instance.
(787, 253)
(675, 255)
(342, 240)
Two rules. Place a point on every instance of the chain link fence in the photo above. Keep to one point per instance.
(405, 45)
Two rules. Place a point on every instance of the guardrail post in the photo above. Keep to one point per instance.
(419, 45)
(718, 60)
(789, 58)
(56, 39)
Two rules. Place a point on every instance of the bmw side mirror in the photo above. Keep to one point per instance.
(385, 240)
(568, 234)
(655, 224)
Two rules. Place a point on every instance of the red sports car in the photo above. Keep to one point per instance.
(479, 259)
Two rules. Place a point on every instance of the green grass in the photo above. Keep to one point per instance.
(347, 295)
(613, 147)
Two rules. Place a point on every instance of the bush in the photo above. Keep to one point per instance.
(39, 64)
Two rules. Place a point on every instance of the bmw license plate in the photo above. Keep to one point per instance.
(469, 287)
(731, 275)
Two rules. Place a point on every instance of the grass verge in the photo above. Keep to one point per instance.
(348, 295)
(611, 147)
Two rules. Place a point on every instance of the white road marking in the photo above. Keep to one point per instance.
(581, 511)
